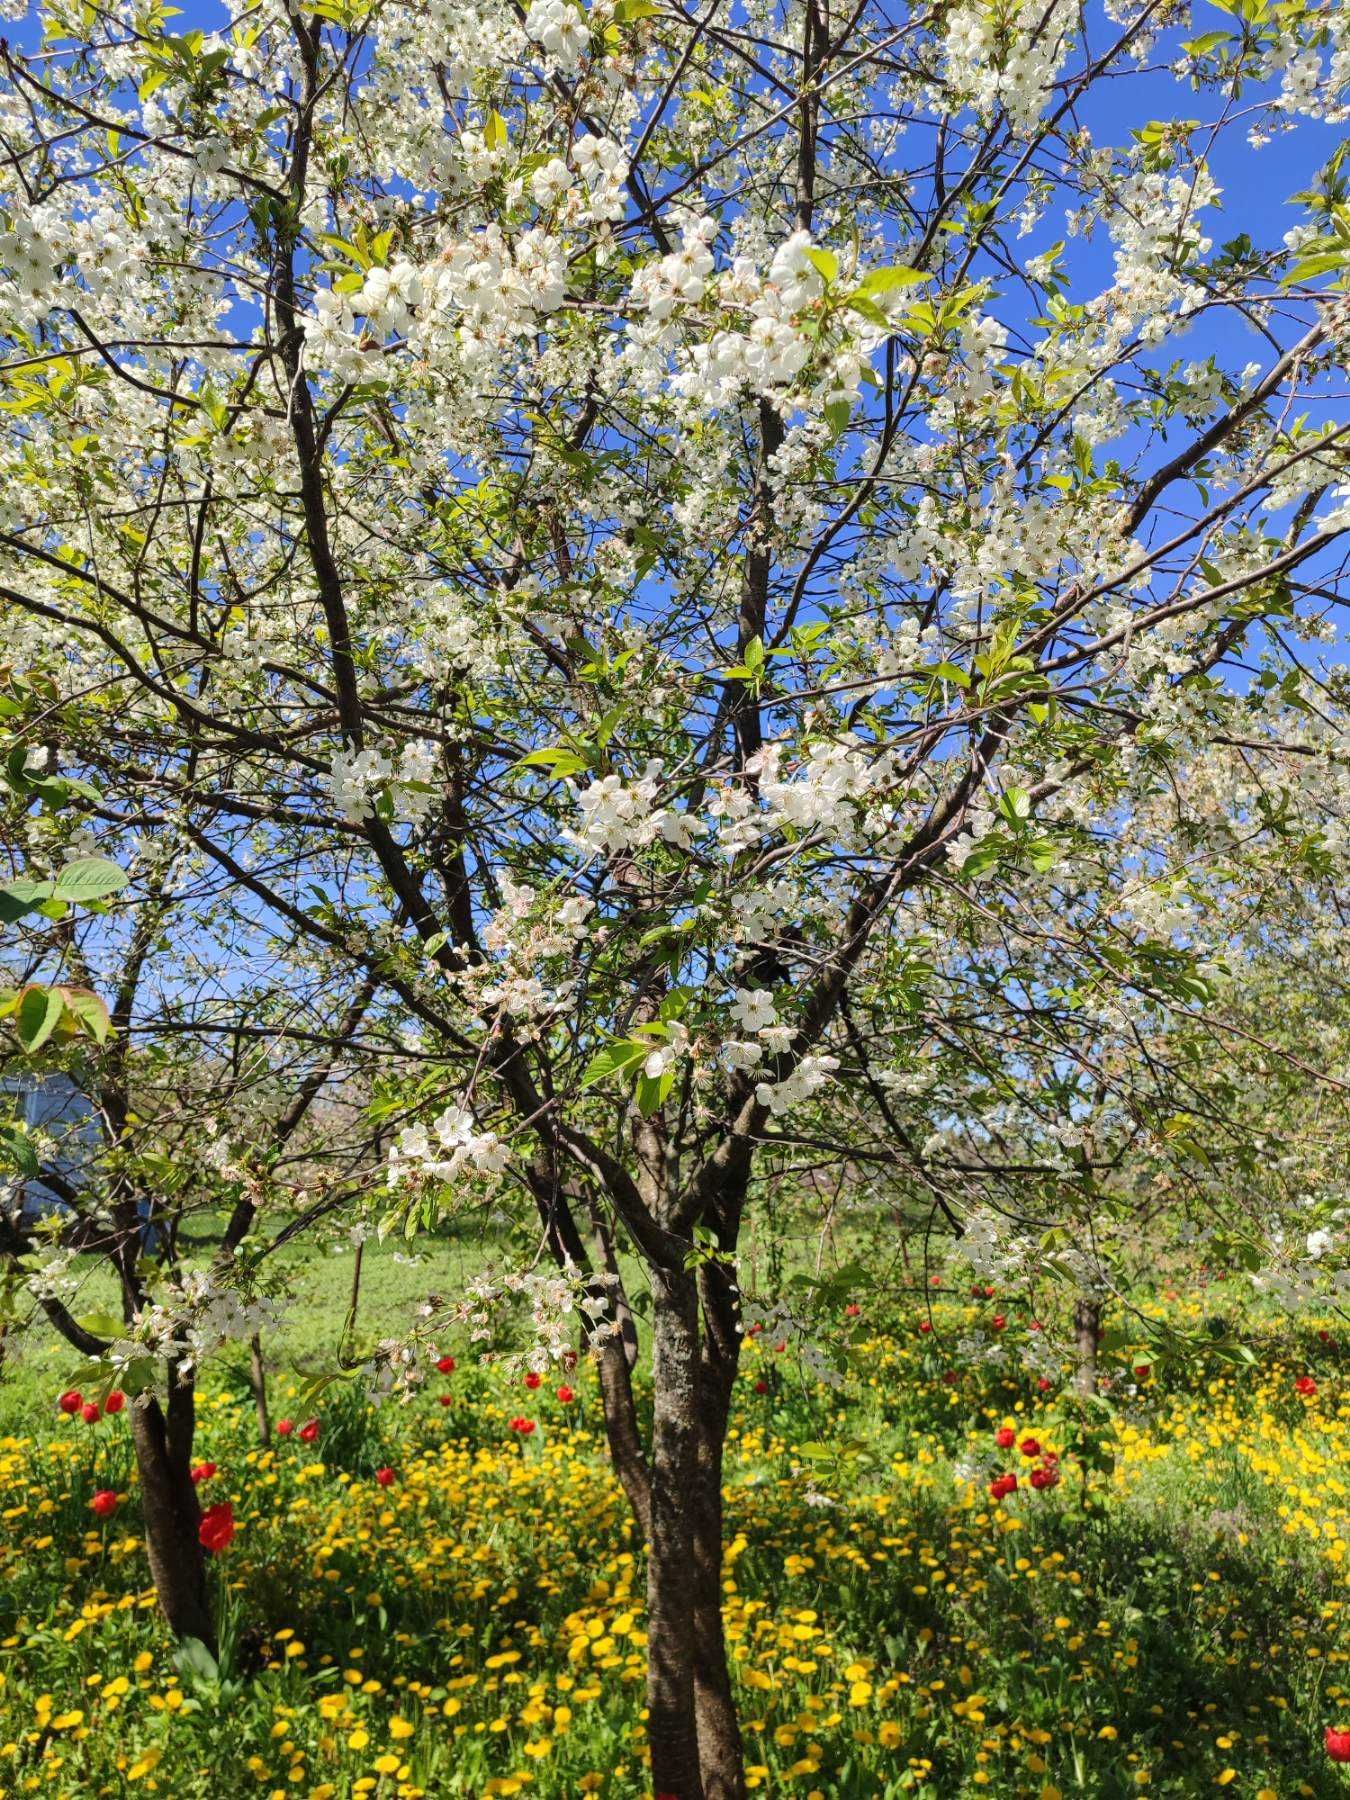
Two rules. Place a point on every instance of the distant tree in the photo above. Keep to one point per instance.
(190, 1163)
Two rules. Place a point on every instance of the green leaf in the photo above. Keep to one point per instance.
(1201, 46)
(89, 878)
(38, 1015)
(22, 897)
(557, 760)
(15, 1146)
(884, 281)
(212, 405)
(101, 1324)
(652, 1091)
(869, 310)
(89, 1011)
(195, 1660)
(826, 262)
(615, 1059)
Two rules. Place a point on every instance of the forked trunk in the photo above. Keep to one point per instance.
(672, 1732)
(1087, 1329)
(172, 1513)
(720, 1750)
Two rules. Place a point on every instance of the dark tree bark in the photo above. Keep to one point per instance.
(672, 1730)
(172, 1513)
(621, 1431)
(1087, 1331)
(257, 1381)
(720, 1749)
(616, 1357)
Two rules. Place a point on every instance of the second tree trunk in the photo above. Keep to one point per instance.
(172, 1514)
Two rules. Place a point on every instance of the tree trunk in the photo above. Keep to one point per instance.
(672, 1732)
(1087, 1328)
(617, 1355)
(720, 1750)
(171, 1510)
(257, 1380)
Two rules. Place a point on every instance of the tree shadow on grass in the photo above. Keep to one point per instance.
(1191, 1645)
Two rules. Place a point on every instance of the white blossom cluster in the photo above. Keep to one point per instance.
(196, 1314)
(560, 28)
(358, 777)
(451, 1145)
(1007, 57)
(483, 292)
(710, 339)
(618, 815)
(808, 1076)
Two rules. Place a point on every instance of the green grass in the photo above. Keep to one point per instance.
(394, 1279)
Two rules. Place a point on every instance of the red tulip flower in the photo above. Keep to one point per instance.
(217, 1527)
(1305, 1387)
(1005, 1437)
(853, 1310)
(71, 1401)
(532, 1380)
(1003, 1485)
(309, 1432)
(202, 1472)
(1337, 1741)
(115, 1402)
(285, 1427)
(1043, 1383)
(1324, 1337)
(91, 1412)
(385, 1477)
(104, 1503)
(989, 1293)
(446, 1365)
(780, 1348)
(566, 1394)
(1143, 1370)
(1031, 1447)
(522, 1427)
(761, 1386)
(1044, 1478)
(998, 1321)
(446, 1399)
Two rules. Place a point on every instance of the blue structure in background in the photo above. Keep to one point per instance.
(53, 1104)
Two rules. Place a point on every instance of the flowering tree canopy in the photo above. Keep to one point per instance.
(653, 538)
